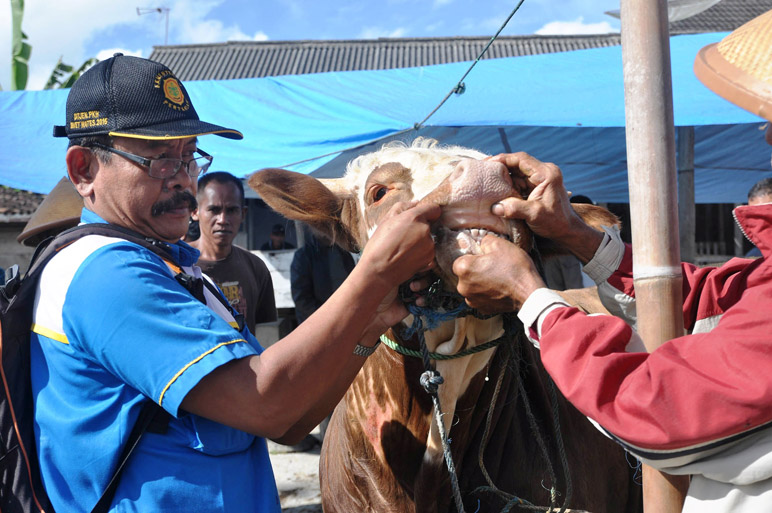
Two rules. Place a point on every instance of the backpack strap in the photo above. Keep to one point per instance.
(196, 288)
(146, 417)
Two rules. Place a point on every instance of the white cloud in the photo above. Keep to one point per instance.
(577, 26)
(65, 29)
(109, 52)
(5, 47)
(192, 23)
(440, 3)
(376, 32)
(61, 30)
(69, 29)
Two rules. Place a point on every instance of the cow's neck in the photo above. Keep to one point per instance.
(449, 338)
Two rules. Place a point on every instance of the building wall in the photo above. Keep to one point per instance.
(11, 252)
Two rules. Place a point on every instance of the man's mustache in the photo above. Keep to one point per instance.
(179, 200)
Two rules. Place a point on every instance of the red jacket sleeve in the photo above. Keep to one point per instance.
(696, 391)
(707, 291)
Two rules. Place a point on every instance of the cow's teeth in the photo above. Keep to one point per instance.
(478, 234)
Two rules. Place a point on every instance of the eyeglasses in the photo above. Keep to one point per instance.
(166, 168)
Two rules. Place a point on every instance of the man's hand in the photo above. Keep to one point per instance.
(546, 209)
(400, 248)
(500, 279)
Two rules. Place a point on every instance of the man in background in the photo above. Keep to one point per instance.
(277, 240)
(318, 269)
(761, 192)
(242, 276)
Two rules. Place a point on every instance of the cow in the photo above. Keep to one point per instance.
(513, 439)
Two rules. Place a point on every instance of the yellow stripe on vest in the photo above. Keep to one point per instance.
(53, 335)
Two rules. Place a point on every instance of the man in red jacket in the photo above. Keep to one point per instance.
(699, 405)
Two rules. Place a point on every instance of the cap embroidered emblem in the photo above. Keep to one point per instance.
(173, 92)
(174, 97)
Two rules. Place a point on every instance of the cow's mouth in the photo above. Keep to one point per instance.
(442, 296)
(468, 240)
(452, 243)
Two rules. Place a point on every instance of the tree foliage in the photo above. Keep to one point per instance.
(60, 79)
(62, 76)
(20, 49)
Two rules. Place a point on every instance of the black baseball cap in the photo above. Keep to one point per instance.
(133, 97)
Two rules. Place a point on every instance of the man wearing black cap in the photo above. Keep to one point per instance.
(113, 328)
(699, 405)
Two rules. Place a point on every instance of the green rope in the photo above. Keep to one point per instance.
(437, 356)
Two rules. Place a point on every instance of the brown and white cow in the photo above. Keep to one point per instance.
(382, 450)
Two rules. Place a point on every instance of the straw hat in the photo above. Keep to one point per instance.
(739, 67)
(59, 211)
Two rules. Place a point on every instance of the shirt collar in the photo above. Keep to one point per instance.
(182, 252)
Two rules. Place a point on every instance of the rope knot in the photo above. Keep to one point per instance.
(431, 381)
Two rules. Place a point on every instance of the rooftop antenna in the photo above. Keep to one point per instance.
(161, 10)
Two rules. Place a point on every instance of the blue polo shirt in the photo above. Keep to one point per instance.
(111, 328)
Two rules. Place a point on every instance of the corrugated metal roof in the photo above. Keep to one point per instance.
(250, 59)
(725, 16)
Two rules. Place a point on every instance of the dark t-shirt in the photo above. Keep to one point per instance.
(246, 282)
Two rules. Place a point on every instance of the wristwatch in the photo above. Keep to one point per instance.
(365, 351)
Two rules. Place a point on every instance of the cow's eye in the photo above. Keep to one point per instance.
(379, 193)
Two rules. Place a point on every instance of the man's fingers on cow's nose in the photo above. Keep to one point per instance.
(537, 171)
(509, 208)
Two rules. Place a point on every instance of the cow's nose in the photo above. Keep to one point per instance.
(481, 178)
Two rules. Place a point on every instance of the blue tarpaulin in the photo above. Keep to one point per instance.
(567, 108)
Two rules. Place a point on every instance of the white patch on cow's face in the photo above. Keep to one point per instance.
(379, 179)
(458, 179)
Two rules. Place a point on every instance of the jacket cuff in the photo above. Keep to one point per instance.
(607, 257)
(536, 308)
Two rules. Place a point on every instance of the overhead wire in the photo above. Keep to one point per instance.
(459, 88)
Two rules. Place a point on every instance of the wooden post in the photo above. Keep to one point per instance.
(653, 200)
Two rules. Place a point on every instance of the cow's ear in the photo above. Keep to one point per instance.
(304, 198)
(593, 215)
(596, 216)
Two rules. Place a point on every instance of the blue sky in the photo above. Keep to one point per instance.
(78, 29)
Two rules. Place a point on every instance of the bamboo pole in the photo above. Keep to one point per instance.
(653, 200)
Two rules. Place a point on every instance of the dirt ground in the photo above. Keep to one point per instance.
(297, 477)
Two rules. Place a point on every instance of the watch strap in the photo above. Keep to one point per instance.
(365, 351)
